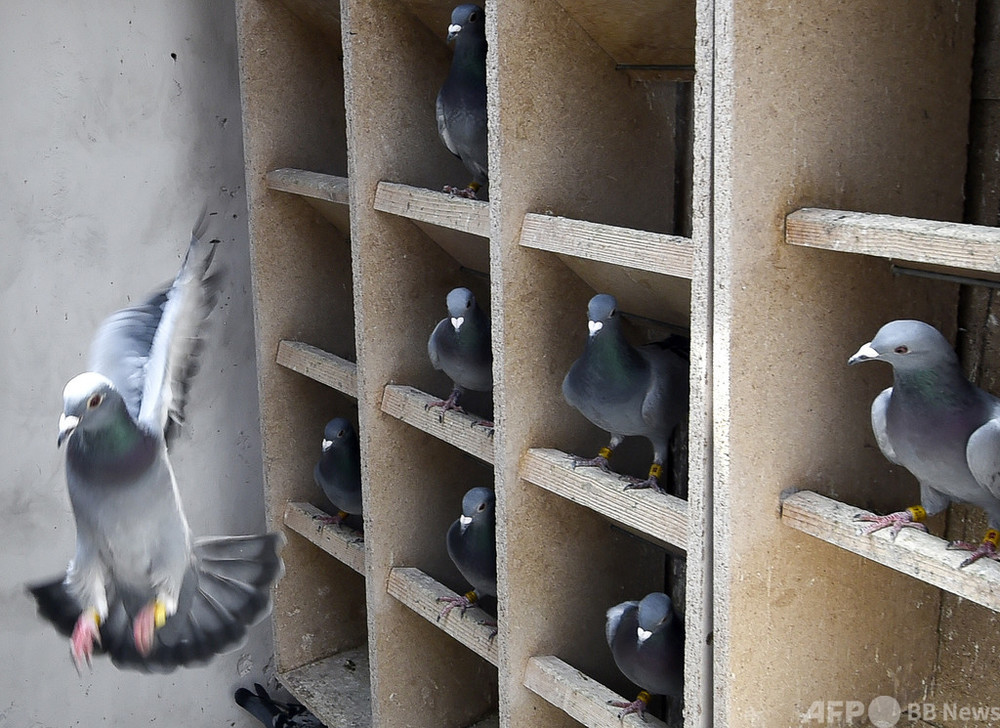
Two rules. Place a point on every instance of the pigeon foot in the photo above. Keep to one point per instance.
(334, 520)
(463, 602)
(447, 404)
(150, 618)
(468, 192)
(986, 549)
(601, 461)
(638, 705)
(910, 518)
(86, 633)
(653, 481)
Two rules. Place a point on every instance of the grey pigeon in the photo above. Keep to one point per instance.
(627, 390)
(647, 641)
(338, 471)
(939, 426)
(472, 546)
(273, 713)
(461, 102)
(461, 347)
(140, 588)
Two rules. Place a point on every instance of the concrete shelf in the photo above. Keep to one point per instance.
(336, 688)
(918, 554)
(456, 428)
(325, 368)
(973, 249)
(343, 543)
(459, 225)
(660, 518)
(326, 192)
(420, 593)
(580, 696)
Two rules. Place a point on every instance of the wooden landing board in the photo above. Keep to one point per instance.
(658, 517)
(342, 543)
(918, 554)
(579, 696)
(336, 689)
(326, 368)
(948, 244)
(327, 193)
(665, 254)
(410, 405)
(420, 592)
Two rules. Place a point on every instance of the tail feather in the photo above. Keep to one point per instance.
(225, 593)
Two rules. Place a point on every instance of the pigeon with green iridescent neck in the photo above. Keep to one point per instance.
(461, 347)
(627, 390)
(472, 546)
(140, 588)
(939, 426)
(647, 641)
(338, 471)
(461, 102)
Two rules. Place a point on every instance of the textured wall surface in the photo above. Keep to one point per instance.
(121, 120)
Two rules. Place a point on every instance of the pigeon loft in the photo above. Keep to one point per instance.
(695, 159)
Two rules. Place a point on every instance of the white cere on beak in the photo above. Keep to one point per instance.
(454, 28)
(457, 322)
(594, 326)
(327, 444)
(464, 520)
(643, 634)
(67, 423)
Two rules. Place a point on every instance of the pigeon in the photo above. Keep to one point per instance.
(647, 641)
(472, 546)
(338, 471)
(272, 713)
(461, 347)
(939, 426)
(461, 102)
(627, 390)
(140, 588)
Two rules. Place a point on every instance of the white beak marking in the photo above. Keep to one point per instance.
(464, 520)
(643, 634)
(327, 444)
(457, 322)
(594, 326)
(454, 28)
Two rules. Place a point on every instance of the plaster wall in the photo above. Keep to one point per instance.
(120, 121)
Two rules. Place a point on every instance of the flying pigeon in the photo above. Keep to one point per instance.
(461, 347)
(272, 713)
(472, 546)
(647, 641)
(140, 588)
(939, 426)
(338, 471)
(461, 102)
(627, 390)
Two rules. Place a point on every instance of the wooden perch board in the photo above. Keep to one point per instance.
(918, 554)
(947, 244)
(420, 592)
(665, 254)
(342, 543)
(327, 193)
(336, 689)
(326, 368)
(658, 517)
(410, 405)
(581, 697)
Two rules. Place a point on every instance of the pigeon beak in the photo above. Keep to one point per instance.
(642, 634)
(457, 322)
(67, 423)
(327, 444)
(453, 30)
(865, 353)
(463, 523)
(594, 326)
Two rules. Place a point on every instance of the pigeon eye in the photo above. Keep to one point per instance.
(472, 17)
(94, 401)
(481, 507)
(902, 350)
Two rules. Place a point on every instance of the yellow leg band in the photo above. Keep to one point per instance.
(159, 614)
(605, 452)
(471, 596)
(644, 697)
(342, 514)
(992, 536)
(474, 186)
(656, 471)
(917, 513)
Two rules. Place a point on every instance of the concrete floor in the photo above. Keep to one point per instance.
(121, 119)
